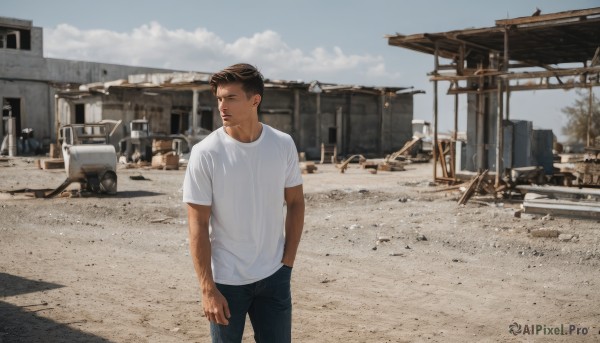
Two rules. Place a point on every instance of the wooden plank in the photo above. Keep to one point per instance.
(344, 165)
(54, 163)
(407, 146)
(472, 188)
(442, 159)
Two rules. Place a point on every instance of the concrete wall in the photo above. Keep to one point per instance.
(36, 113)
(28, 76)
(397, 125)
(277, 109)
(59, 70)
(359, 123)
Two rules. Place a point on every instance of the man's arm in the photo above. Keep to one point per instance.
(214, 303)
(294, 223)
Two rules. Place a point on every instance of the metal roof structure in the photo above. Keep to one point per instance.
(551, 51)
(564, 37)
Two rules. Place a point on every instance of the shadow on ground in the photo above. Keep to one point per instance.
(23, 324)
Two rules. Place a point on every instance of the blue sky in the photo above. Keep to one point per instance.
(329, 41)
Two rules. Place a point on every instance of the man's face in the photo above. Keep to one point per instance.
(234, 106)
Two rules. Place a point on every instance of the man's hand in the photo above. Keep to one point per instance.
(214, 303)
(215, 307)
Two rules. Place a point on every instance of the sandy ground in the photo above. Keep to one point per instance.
(383, 259)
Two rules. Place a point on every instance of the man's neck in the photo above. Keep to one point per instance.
(247, 133)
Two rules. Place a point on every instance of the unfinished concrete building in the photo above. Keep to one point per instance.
(551, 51)
(29, 81)
(354, 119)
(33, 89)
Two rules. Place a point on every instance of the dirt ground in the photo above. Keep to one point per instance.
(383, 258)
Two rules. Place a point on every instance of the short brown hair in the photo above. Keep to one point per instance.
(251, 79)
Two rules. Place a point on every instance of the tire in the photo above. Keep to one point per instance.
(108, 183)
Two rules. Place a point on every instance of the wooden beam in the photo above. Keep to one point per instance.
(521, 75)
(465, 90)
(552, 73)
(454, 36)
(574, 15)
(435, 112)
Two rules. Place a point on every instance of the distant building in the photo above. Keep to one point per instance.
(29, 81)
(44, 93)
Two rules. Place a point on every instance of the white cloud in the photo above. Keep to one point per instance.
(153, 45)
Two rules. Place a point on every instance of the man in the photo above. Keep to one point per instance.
(236, 184)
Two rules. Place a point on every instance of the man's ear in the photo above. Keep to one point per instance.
(256, 99)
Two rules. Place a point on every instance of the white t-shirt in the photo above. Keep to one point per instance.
(244, 185)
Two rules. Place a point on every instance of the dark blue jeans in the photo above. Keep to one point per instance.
(267, 302)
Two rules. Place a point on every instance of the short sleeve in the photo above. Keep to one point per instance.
(293, 177)
(197, 184)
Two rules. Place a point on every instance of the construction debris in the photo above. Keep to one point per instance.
(587, 171)
(545, 233)
(406, 149)
(557, 192)
(344, 165)
(524, 175)
(165, 161)
(412, 151)
(138, 178)
(391, 166)
(308, 167)
(6, 162)
(51, 163)
(565, 201)
(568, 208)
(372, 166)
(474, 186)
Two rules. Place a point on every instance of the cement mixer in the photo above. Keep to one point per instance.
(89, 158)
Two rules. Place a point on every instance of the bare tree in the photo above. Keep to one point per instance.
(578, 116)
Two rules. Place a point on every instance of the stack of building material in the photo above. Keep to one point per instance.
(391, 166)
(168, 161)
(51, 163)
(164, 157)
(565, 201)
